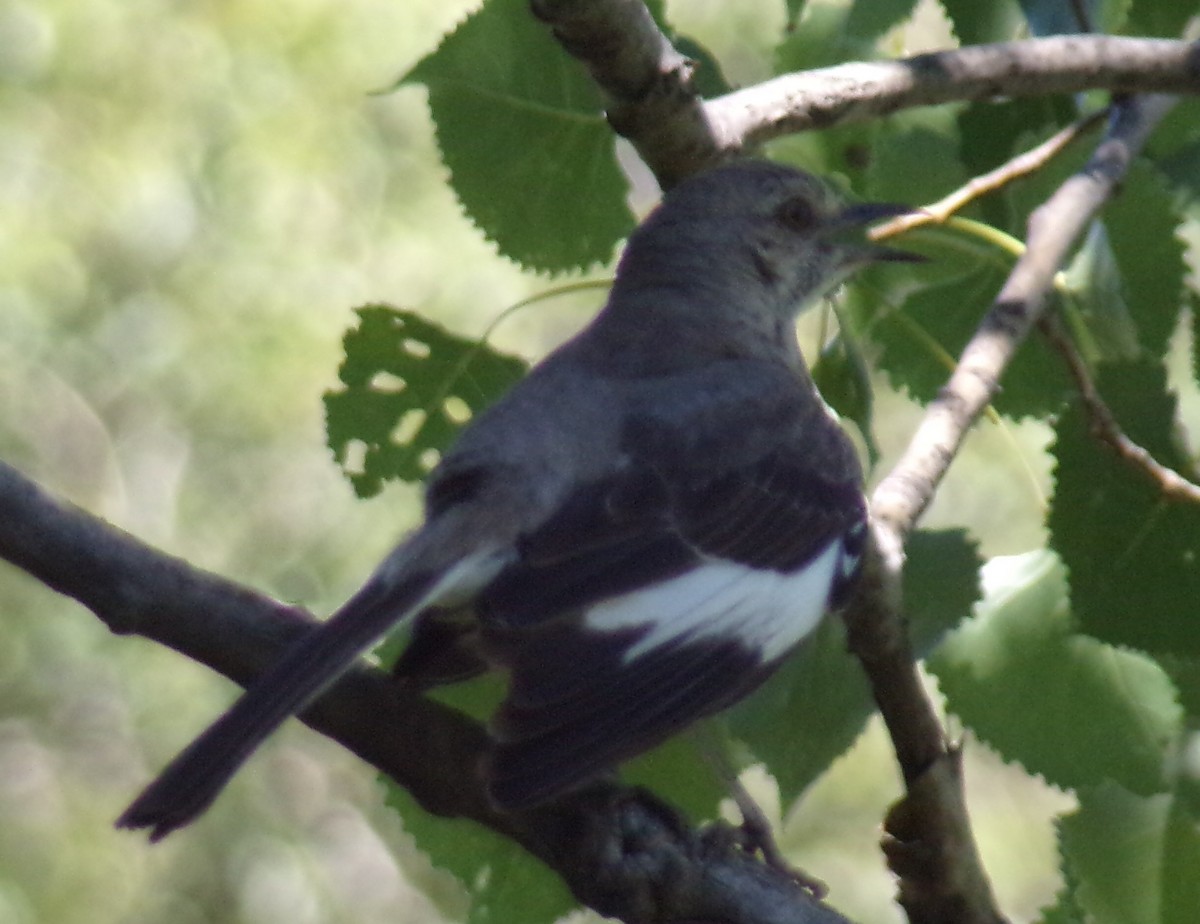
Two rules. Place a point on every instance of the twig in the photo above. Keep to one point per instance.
(1023, 164)
(932, 847)
(1171, 484)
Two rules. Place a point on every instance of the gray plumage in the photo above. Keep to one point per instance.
(639, 531)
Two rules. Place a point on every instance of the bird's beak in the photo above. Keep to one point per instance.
(849, 228)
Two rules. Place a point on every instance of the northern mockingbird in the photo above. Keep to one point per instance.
(639, 531)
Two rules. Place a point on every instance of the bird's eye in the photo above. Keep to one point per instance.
(796, 214)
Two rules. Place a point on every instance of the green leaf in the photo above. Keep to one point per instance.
(410, 386)
(1133, 859)
(1093, 281)
(816, 705)
(1133, 558)
(808, 713)
(941, 584)
(1053, 17)
(843, 378)
(871, 18)
(1031, 191)
(1063, 911)
(1177, 134)
(1194, 298)
(991, 133)
(1181, 860)
(1165, 18)
(821, 39)
(522, 129)
(922, 341)
(678, 771)
(1141, 225)
(916, 166)
(841, 154)
(505, 883)
(975, 23)
(1065, 706)
(943, 300)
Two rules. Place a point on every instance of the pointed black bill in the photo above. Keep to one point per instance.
(852, 221)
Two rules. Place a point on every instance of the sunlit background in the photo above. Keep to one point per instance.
(193, 197)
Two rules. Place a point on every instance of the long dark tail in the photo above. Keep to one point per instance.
(189, 784)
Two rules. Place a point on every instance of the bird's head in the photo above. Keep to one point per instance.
(764, 233)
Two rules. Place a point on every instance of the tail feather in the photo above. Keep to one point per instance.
(190, 783)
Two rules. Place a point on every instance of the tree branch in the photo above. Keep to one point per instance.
(1021, 165)
(931, 847)
(1171, 484)
(1035, 67)
(648, 84)
(620, 850)
(652, 100)
(1054, 227)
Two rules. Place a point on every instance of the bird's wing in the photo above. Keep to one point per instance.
(653, 597)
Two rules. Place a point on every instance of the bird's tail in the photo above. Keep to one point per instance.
(189, 784)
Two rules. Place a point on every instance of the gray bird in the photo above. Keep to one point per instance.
(639, 532)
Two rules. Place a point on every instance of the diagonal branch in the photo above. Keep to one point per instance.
(1021, 165)
(1054, 227)
(618, 849)
(1104, 425)
(930, 845)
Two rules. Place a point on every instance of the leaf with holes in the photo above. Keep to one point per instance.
(410, 386)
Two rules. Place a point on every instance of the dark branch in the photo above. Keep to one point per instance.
(620, 850)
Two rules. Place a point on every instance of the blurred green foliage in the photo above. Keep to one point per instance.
(193, 197)
(192, 200)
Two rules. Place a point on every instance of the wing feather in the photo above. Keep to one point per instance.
(653, 597)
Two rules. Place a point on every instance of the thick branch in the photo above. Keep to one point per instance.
(620, 851)
(1034, 67)
(648, 84)
(931, 846)
(651, 99)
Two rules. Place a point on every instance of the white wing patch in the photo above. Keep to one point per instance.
(765, 611)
